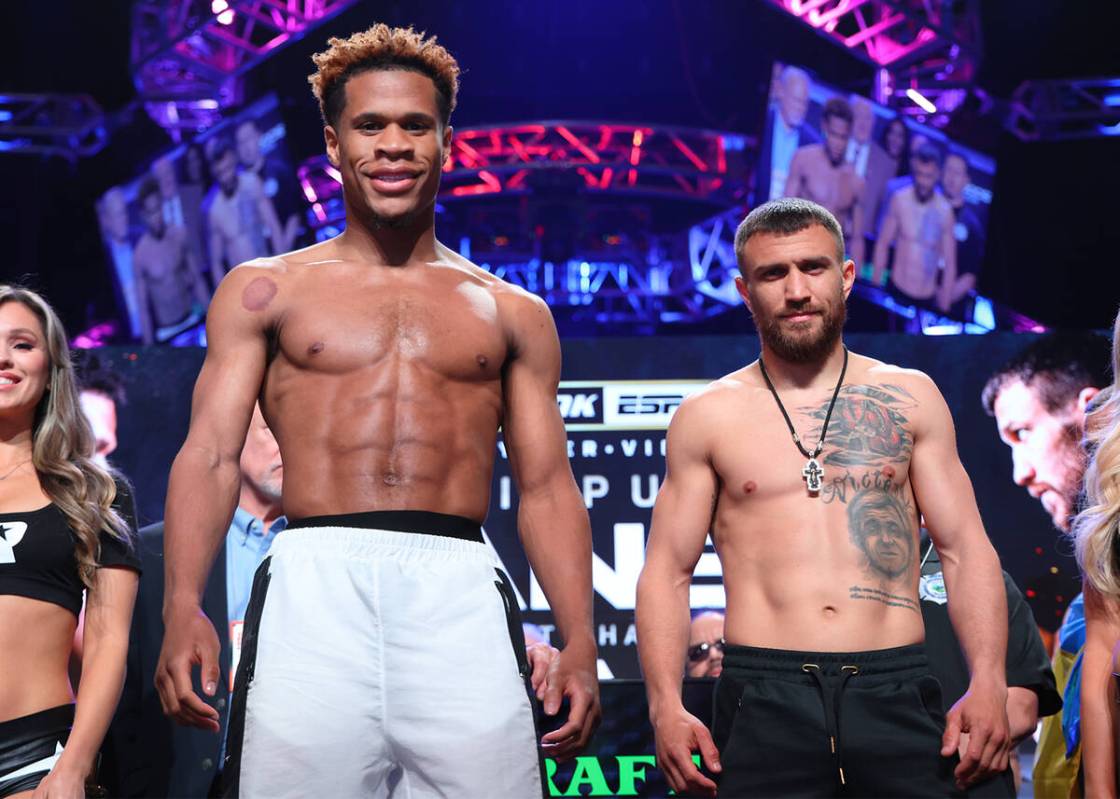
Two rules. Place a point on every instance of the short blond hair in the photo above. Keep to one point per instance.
(382, 47)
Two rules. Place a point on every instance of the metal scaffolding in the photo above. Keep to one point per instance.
(67, 125)
(188, 55)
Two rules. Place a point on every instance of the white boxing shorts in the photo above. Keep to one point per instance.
(382, 656)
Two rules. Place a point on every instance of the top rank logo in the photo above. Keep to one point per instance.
(581, 405)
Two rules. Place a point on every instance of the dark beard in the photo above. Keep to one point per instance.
(800, 349)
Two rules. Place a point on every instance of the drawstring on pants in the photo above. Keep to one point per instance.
(832, 690)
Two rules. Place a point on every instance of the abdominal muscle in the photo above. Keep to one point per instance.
(36, 638)
(810, 592)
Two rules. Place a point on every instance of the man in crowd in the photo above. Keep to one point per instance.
(112, 214)
(822, 173)
(240, 215)
(705, 644)
(968, 230)
(919, 225)
(1039, 400)
(1031, 691)
(869, 160)
(101, 396)
(169, 285)
(151, 756)
(785, 131)
(277, 179)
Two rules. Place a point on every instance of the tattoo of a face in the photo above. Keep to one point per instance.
(879, 595)
(868, 426)
(883, 525)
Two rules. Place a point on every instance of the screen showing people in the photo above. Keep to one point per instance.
(228, 196)
(913, 204)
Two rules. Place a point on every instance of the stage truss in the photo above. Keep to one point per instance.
(1077, 108)
(71, 126)
(188, 55)
(927, 52)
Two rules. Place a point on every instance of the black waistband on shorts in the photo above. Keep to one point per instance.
(900, 662)
(402, 521)
(52, 721)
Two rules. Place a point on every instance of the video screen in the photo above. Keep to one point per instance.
(913, 204)
(172, 233)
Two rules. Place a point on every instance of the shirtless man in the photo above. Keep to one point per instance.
(240, 214)
(168, 284)
(382, 653)
(919, 223)
(825, 686)
(822, 173)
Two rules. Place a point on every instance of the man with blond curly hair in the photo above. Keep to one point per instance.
(381, 653)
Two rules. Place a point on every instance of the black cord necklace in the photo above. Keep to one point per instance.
(812, 471)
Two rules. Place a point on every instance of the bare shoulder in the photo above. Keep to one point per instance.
(251, 290)
(711, 405)
(911, 386)
(271, 274)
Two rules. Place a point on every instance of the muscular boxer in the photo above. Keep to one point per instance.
(809, 466)
(382, 652)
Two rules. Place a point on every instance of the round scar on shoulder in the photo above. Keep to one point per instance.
(258, 294)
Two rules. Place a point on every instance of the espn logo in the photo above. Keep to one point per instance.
(623, 404)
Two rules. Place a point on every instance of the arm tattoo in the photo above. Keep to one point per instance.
(879, 595)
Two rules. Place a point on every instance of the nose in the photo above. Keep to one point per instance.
(797, 287)
(1022, 472)
(394, 142)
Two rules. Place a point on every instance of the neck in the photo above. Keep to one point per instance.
(804, 375)
(374, 243)
(258, 505)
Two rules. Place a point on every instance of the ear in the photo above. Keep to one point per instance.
(331, 138)
(448, 135)
(744, 292)
(1084, 397)
(848, 276)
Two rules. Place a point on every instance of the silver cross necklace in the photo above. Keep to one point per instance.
(812, 471)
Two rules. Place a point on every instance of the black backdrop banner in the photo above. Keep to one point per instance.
(617, 397)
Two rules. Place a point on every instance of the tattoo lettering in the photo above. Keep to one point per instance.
(878, 595)
(883, 525)
(868, 426)
(838, 487)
